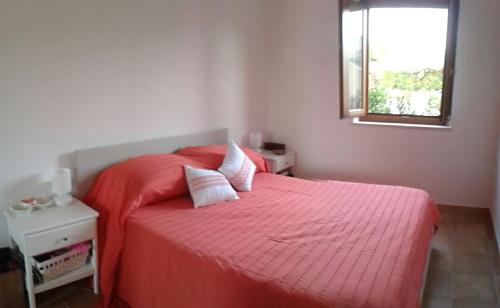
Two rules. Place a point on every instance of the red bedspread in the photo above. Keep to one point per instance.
(288, 243)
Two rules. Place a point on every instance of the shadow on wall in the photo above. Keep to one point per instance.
(37, 184)
(66, 161)
(34, 185)
(234, 60)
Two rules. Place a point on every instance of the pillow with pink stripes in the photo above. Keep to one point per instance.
(238, 168)
(208, 186)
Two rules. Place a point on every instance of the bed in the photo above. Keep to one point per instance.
(287, 243)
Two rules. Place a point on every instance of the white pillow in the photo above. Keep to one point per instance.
(208, 187)
(238, 168)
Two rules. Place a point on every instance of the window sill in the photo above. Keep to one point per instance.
(358, 122)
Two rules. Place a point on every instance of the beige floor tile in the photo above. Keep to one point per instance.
(493, 247)
(11, 282)
(446, 213)
(47, 298)
(77, 295)
(436, 303)
(438, 284)
(82, 299)
(496, 264)
(472, 304)
(441, 261)
(490, 230)
(475, 245)
(11, 290)
(473, 287)
(12, 296)
(53, 304)
(441, 243)
(472, 229)
(70, 289)
(472, 263)
(497, 286)
(446, 229)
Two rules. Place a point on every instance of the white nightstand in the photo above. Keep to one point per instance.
(281, 164)
(53, 228)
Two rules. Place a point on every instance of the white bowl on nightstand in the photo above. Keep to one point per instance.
(21, 209)
(43, 204)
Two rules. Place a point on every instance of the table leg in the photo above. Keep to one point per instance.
(30, 286)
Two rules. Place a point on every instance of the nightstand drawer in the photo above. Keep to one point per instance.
(286, 161)
(61, 237)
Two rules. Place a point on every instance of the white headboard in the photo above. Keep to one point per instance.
(89, 162)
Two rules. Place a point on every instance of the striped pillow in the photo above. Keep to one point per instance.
(208, 187)
(238, 168)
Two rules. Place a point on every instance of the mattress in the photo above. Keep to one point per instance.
(287, 243)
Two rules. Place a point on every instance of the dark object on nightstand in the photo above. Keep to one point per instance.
(271, 146)
(287, 172)
(279, 152)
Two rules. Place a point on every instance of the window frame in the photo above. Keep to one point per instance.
(448, 67)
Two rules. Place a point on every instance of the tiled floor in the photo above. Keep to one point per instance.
(464, 261)
(75, 295)
(462, 273)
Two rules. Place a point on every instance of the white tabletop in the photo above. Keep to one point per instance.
(51, 217)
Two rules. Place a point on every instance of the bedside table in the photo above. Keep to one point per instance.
(50, 229)
(280, 164)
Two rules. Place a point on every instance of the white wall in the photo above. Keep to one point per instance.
(495, 209)
(77, 74)
(454, 165)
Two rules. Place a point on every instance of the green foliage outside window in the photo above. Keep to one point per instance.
(377, 96)
(427, 79)
(394, 90)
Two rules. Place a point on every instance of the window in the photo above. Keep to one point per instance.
(397, 60)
